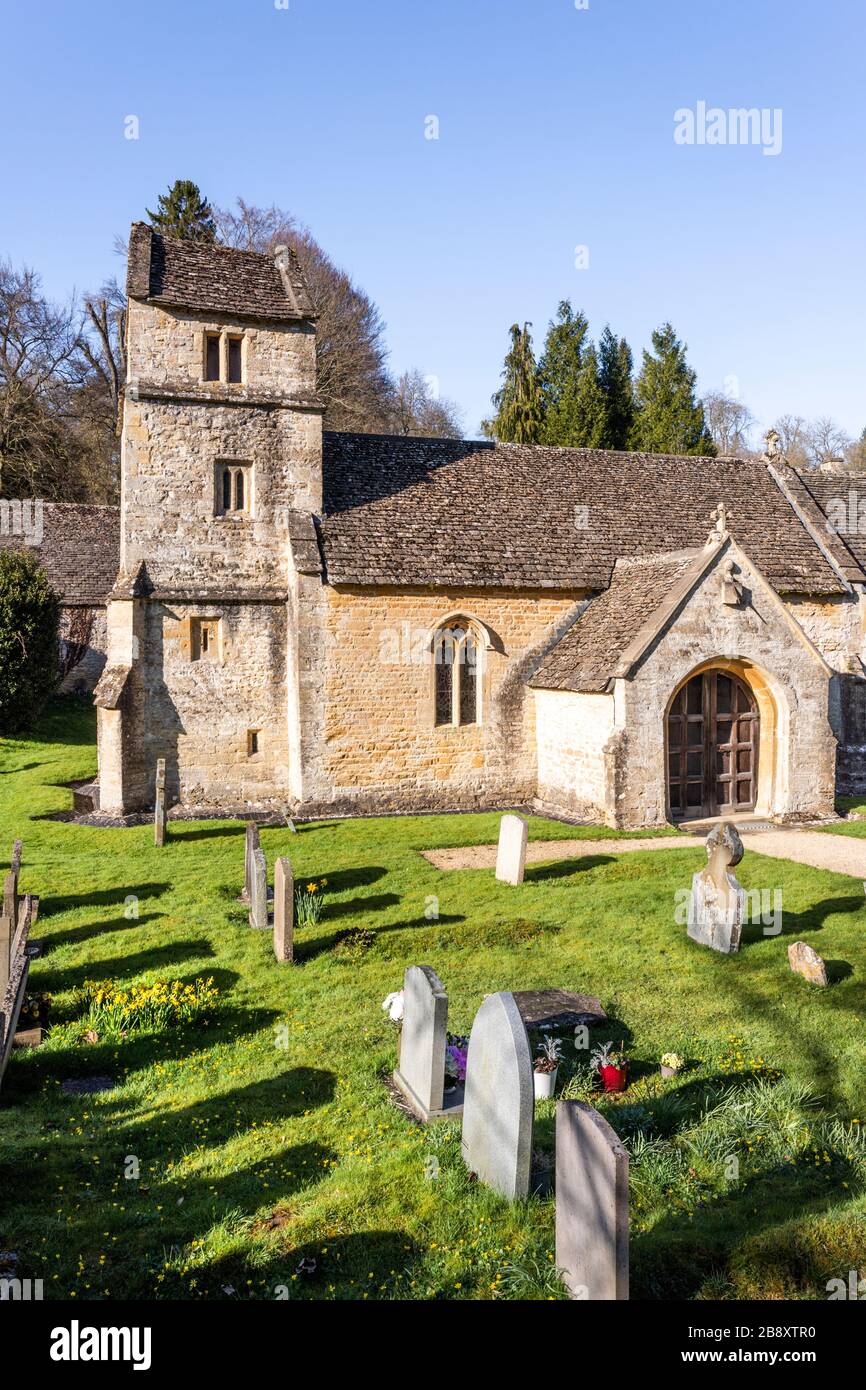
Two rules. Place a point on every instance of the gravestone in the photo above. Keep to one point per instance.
(10, 898)
(717, 904)
(805, 961)
(284, 910)
(499, 1102)
(558, 1008)
(251, 844)
(420, 1075)
(159, 804)
(7, 933)
(259, 892)
(17, 849)
(511, 854)
(591, 1204)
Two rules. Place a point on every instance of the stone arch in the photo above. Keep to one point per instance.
(773, 712)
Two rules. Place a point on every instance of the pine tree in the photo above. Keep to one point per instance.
(184, 213)
(519, 403)
(559, 372)
(670, 418)
(615, 366)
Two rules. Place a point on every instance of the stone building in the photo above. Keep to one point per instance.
(341, 623)
(77, 547)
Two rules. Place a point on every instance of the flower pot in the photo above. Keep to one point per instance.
(614, 1078)
(669, 1071)
(545, 1083)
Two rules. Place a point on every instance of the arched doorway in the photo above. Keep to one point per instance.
(713, 730)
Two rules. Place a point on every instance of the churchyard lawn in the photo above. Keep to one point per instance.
(262, 1134)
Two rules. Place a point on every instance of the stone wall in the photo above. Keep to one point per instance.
(796, 772)
(572, 735)
(380, 747)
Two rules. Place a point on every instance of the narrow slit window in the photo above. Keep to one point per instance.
(212, 357)
(252, 742)
(227, 490)
(235, 372)
(239, 490)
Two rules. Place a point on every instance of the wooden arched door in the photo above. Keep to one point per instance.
(712, 747)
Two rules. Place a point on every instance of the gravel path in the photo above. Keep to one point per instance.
(835, 852)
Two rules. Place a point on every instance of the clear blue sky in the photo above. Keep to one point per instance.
(556, 130)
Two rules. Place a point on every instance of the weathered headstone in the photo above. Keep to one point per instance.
(259, 892)
(591, 1204)
(499, 1103)
(17, 849)
(10, 898)
(805, 961)
(717, 905)
(511, 854)
(251, 844)
(7, 932)
(420, 1075)
(284, 910)
(159, 804)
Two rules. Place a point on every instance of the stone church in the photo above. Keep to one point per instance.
(344, 623)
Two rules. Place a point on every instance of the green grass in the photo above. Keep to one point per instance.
(265, 1134)
(854, 806)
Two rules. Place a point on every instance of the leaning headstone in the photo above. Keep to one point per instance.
(420, 1075)
(805, 961)
(591, 1204)
(250, 846)
(17, 849)
(511, 855)
(159, 804)
(7, 933)
(259, 892)
(284, 910)
(717, 905)
(499, 1103)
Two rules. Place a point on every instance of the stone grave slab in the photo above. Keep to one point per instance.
(592, 1252)
(259, 891)
(511, 854)
(557, 1008)
(420, 1075)
(284, 910)
(499, 1101)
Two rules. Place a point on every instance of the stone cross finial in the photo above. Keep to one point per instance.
(773, 441)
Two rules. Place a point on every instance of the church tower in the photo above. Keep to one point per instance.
(221, 456)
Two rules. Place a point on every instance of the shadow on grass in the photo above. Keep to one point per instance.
(126, 967)
(75, 935)
(101, 897)
(340, 1267)
(566, 868)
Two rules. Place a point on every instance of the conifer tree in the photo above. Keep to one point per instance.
(615, 368)
(518, 402)
(184, 213)
(559, 373)
(669, 418)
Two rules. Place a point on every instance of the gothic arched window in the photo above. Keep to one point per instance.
(456, 661)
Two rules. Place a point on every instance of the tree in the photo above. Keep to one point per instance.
(42, 376)
(615, 367)
(519, 402)
(559, 370)
(729, 422)
(185, 213)
(29, 613)
(826, 440)
(416, 410)
(351, 357)
(856, 454)
(669, 419)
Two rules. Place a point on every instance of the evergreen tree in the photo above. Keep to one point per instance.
(184, 213)
(29, 615)
(559, 372)
(670, 418)
(519, 403)
(579, 418)
(615, 368)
